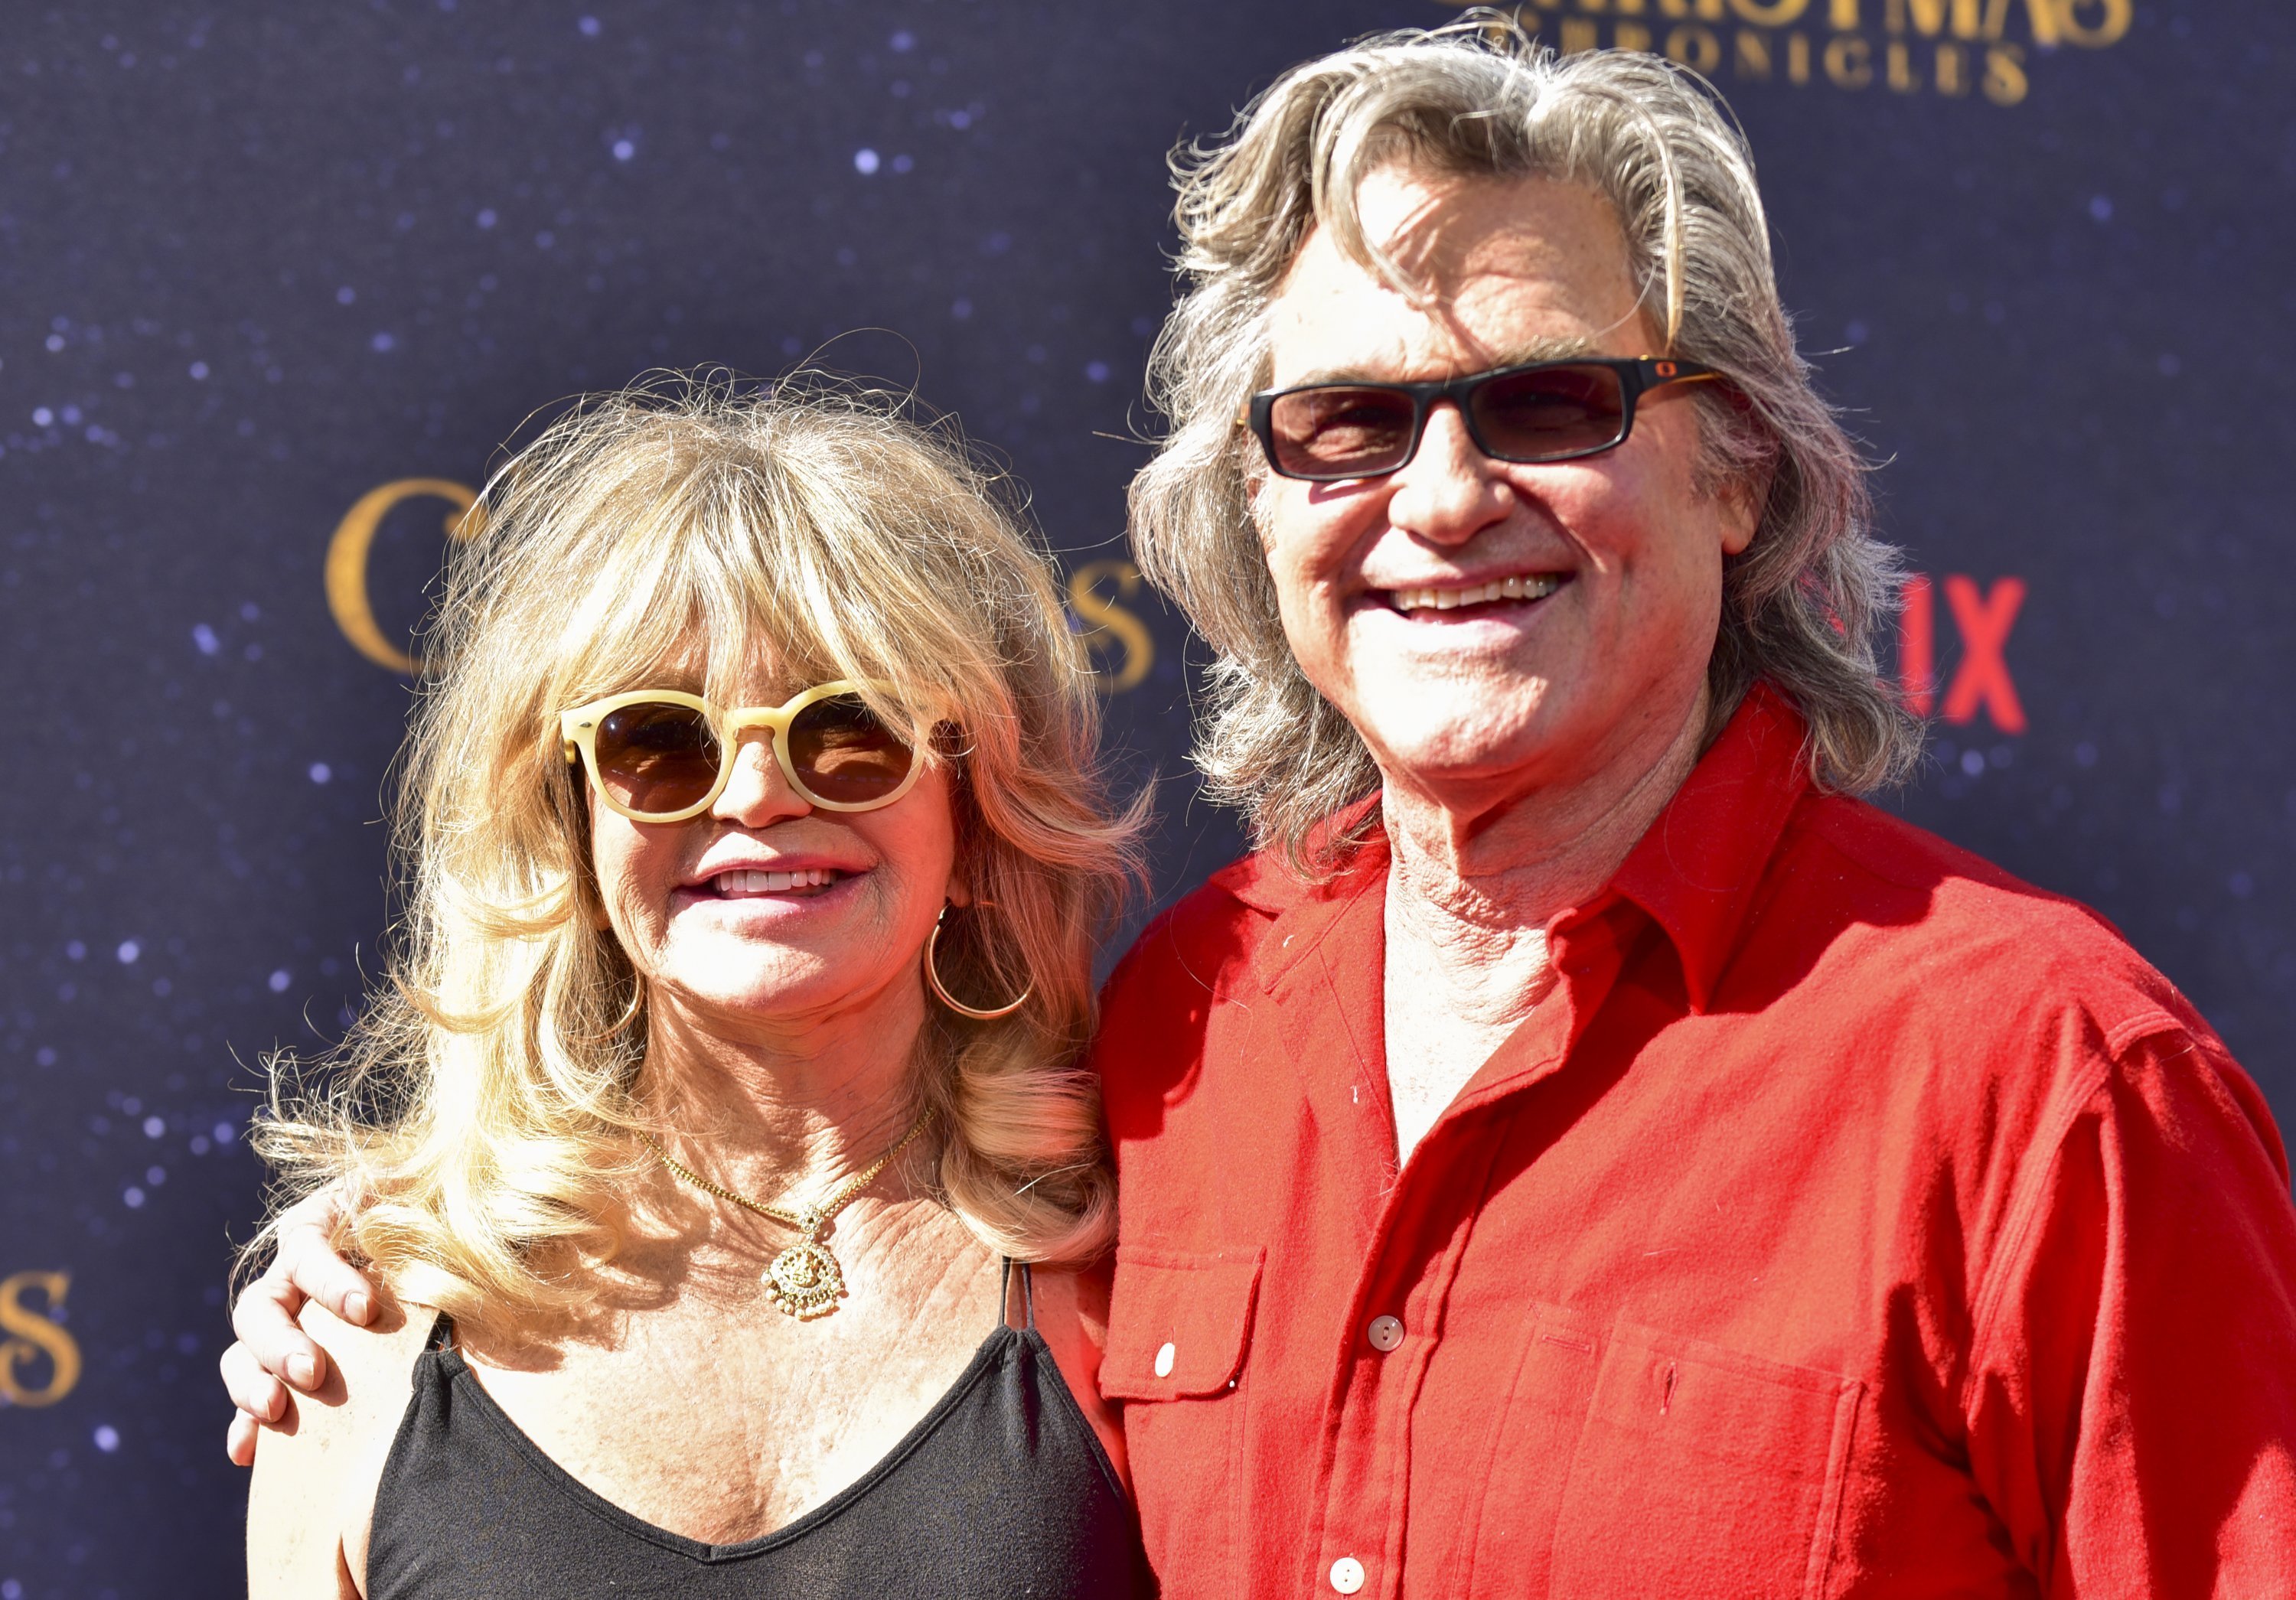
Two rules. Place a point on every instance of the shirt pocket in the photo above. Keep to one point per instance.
(1178, 1322)
(1702, 1471)
(1179, 1329)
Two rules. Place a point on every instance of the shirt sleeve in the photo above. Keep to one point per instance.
(2131, 1395)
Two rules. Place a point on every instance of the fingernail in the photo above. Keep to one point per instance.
(303, 1370)
(354, 1306)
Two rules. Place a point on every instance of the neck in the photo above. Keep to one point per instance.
(773, 1111)
(1471, 888)
(1469, 869)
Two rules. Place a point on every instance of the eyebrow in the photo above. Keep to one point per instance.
(1522, 355)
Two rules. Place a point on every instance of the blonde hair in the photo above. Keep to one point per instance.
(484, 1113)
(1801, 607)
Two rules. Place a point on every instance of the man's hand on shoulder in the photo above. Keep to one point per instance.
(274, 1355)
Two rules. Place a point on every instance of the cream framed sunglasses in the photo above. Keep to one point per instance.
(662, 755)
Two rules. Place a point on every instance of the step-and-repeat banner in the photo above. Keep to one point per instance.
(279, 278)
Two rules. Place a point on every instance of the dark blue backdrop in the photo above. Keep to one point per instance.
(262, 260)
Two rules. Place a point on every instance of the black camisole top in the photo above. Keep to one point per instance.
(1002, 1489)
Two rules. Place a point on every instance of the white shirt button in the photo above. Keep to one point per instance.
(1166, 1354)
(1346, 1574)
(1385, 1334)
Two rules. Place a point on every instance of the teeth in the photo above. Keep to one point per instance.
(1527, 587)
(743, 880)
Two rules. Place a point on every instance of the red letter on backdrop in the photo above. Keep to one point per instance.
(1917, 644)
(1984, 622)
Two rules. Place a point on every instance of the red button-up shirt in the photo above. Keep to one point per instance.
(1850, 1219)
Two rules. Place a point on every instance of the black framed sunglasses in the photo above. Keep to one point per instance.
(1538, 411)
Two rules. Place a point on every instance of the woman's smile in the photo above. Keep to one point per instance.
(742, 894)
(743, 883)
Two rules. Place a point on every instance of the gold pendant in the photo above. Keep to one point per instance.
(804, 1279)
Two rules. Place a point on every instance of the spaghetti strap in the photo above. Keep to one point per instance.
(1028, 1295)
(442, 1335)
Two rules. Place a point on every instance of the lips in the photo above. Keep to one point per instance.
(1528, 586)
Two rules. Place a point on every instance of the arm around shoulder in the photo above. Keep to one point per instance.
(312, 1494)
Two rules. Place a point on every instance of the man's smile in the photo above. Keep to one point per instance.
(1428, 599)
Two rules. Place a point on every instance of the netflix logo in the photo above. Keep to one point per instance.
(1981, 619)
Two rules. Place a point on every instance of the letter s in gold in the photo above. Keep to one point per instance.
(34, 1336)
(1105, 618)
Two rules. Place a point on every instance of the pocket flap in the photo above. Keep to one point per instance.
(1178, 1322)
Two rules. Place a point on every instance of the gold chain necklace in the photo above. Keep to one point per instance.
(804, 1280)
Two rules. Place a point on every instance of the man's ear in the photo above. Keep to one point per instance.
(1742, 498)
(1740, 504)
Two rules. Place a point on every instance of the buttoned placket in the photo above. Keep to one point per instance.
(1418, 1239)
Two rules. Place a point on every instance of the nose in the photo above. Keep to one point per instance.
(758, 791)
(1449, 491)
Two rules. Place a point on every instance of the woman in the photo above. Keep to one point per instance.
(727, 1071)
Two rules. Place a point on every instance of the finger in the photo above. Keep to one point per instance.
(254, 1391)
(308, 1260)
(315, 1270)
(239, 1442)
(264, 1321)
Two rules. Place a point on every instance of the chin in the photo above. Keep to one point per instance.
(751, 979)
(1469, 725)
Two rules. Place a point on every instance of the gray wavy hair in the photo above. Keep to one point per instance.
(1801, 607)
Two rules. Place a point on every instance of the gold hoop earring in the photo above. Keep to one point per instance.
(940, 992)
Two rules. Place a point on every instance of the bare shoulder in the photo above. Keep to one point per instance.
(1073, 1316)
(312, 1494)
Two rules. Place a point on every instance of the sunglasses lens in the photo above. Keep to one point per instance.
(844, 755)
(657, 758)
(1341, 432)
(1553, 412)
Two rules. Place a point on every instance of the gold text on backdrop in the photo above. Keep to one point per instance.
(1096, 590)
(35, 1340)
(1949, 47)
(1106, 622)
(354, 541)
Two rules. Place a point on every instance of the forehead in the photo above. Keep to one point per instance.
(739, 671)
(717, 657)
(1506, 270)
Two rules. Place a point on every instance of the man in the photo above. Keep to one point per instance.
(1622, 1165)
(1586, 1152)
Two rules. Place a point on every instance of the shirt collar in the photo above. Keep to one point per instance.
(1264, 882)
(1695, 873)
(1305, 910)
